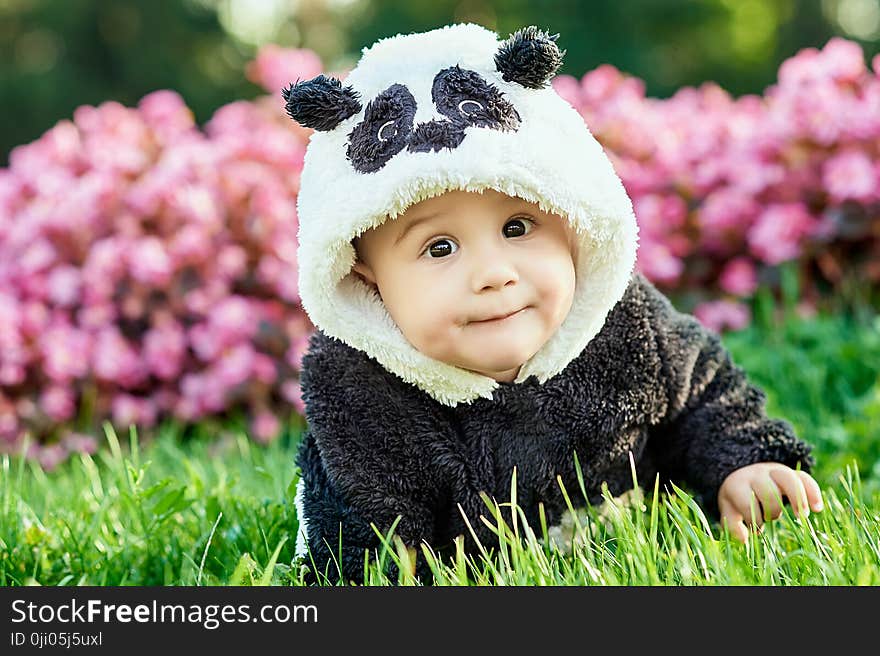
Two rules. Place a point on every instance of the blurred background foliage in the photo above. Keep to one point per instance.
(56, 55)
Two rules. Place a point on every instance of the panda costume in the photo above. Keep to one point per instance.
(393, 434)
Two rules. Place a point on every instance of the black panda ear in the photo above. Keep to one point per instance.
(320, 103)
(529, 57)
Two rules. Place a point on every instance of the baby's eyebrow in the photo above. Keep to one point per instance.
(412, 224)
(509, 201)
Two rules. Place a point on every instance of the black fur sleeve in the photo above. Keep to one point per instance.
(340, 540)
(715, 420)
(362, 460)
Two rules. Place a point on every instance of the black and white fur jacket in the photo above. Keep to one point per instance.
(393, 432)
(653, 382)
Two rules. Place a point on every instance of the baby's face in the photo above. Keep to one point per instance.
(449, 266)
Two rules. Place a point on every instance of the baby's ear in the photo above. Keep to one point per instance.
(529, 57)
(321, 103)
(364, 272)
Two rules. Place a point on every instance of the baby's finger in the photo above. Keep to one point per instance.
(814, 494)
(755, 512)
(770, 495)
(793, 487)
(743, 499)
(732, 519)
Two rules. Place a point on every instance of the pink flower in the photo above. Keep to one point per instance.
(165, 350)
(130, 410)
(12, 374)
(569, 88)
(298, 347)
(188, 409)
(205, 341)
(166, 113)
(79, 443)
(66, 352)
(718, 315)
(34, 318)
(149, 262)
(264, 369)
(9, 427)
(269, 270)
(231, 261)
(660, 215)
(115, 360)
(234, 318)
(851, 174)
(803, 68)
(657, 263)
(292, 393)
(844, 61)
(234, 366)
(63, 143)
(724, 217)
(780, 231)
(165, 399)
(125, 410)
(272, 204)
(191, 244)
(103, 266)
(49, 456)
(198, 204)
(96, 316)
(599, 84)
(58, 402)
(751, 176)
(276, 67)
(37, 257)
(265, 426)
(201, 299)
(739, 277)
(231, 120)
(64, 285)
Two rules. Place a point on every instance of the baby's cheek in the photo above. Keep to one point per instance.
(429, 322)
(556, 281)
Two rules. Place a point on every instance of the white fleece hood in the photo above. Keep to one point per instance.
(452, 108)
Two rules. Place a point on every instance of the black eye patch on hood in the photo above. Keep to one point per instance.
(385, 130)
(462, 96)
(465, 98)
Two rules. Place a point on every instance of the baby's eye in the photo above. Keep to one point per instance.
(443, 247)
(518, 227)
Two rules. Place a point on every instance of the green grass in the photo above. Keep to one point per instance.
(219, 511)
(193, 513)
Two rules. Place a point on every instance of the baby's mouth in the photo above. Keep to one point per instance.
(499, 319)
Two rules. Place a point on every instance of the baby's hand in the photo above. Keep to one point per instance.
(767, 482)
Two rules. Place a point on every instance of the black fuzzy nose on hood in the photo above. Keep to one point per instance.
(435, 135)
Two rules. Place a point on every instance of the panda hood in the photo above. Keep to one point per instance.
(422, 114)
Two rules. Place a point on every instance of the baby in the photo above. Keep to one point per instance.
(467, 255)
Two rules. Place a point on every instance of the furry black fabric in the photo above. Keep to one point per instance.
(384, 131)
(467, 99)
(653, 381)
(529, 57)
(435, 135)
(321, 103)
(463, 96)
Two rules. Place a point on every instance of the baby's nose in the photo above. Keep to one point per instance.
(494, 275)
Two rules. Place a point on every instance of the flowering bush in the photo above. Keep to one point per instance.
(727, 189)
(148, 267)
